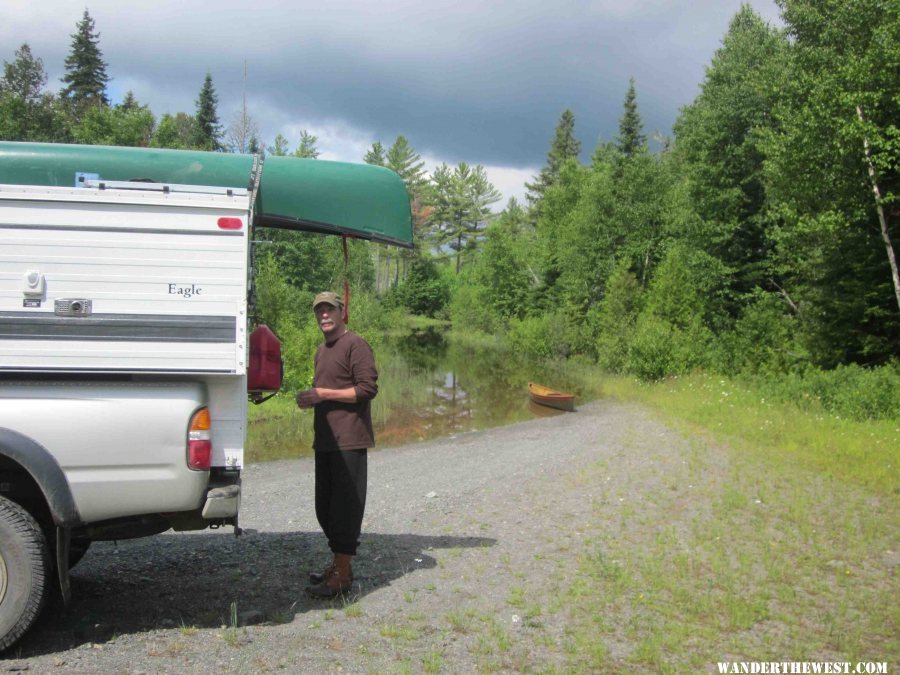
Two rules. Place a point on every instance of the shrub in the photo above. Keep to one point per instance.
(762, 340)
(650, 354)
(299, 342)
(471, 310)
(616, 318)
(849, 391)
(423, 291)
(539, 336)
(687, 287)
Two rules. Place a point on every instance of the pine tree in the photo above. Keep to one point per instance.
(24, 77)
(564, 147)
(307, 148)
(85, 76)
(403, 159)
(129, 103)
(376, 155)
(462, 208)
(630, 140)
(280, 147)
(209, 131)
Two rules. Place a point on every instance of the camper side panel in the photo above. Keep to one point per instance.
(102, 281)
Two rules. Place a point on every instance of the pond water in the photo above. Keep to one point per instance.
(431, 385)
(443, 386)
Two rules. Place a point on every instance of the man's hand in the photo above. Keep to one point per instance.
(308, 398)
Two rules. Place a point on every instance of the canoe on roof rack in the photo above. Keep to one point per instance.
(360, 200)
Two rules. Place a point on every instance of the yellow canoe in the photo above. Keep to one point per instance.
(551, 397)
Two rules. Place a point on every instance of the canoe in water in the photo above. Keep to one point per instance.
(551, 397)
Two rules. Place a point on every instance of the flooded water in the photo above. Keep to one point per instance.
(445, 387)
(429, 386)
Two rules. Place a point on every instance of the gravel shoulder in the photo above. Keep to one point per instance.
(461, 536)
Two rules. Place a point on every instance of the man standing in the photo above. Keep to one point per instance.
(345, 381)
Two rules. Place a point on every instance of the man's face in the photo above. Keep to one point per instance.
(329, 319)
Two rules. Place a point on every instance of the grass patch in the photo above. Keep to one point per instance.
(398, 632)
(773, 537)
(863, 452)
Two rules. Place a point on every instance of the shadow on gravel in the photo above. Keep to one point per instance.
(191, 580)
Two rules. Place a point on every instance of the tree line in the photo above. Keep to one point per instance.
(758, 239)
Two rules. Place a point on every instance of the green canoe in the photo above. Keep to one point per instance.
(361, 200)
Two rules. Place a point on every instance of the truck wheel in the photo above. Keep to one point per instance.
(24, 571)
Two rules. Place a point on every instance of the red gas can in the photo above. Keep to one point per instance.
(266, 368)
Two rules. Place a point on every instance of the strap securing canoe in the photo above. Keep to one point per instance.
(346, 316)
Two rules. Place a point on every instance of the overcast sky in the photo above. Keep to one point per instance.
(470, 80)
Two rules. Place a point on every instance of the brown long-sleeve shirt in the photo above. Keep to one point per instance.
(346, 362)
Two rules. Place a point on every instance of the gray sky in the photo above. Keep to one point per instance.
(471, 80)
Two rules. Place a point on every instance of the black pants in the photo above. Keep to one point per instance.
(341, 477)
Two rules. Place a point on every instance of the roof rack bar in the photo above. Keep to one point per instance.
(100, 184)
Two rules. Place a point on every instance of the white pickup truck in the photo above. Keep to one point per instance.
(125, 338)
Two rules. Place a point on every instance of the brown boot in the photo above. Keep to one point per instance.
(319, 577)
(338, 580)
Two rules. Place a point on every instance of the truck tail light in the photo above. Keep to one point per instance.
(199, 442)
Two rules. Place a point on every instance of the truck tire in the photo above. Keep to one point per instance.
(24, 571)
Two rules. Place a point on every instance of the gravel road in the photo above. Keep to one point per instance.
(453, 527)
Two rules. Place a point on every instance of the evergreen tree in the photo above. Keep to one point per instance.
(85, 77)
(280, 147)
(406, 162)
(209, 131)
(129, 103)
(376, 155)
(501, 268)
(630, 140)
(24, 77)
(307, 148)
(462, 208)
(564, 147)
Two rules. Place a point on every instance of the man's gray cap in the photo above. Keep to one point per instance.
(327, 298)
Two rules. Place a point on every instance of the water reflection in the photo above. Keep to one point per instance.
(467, 388)
(430, 385)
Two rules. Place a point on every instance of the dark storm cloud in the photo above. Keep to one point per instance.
(473, 81)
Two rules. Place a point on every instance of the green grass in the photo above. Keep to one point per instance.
(771, 540)
(398, 632)
(864, 453)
